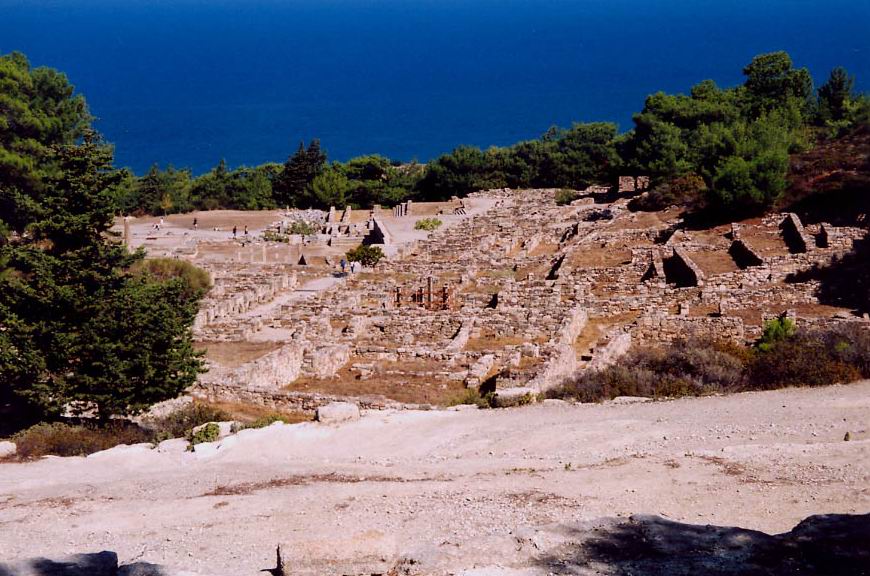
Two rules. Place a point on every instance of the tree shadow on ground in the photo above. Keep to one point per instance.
(832, 545)
(845, 282)
(98, 564)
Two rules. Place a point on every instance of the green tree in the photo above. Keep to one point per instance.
(38, 111)
(160, 192)
(330, 188)
(835, 95)
(77, 329)
(771, 80)
(292, 187)
(365, 255)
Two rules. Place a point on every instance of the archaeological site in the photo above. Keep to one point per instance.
(512, 294)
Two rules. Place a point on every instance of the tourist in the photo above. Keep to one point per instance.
(160, 225)
(343, 264)
(353, 267)
(194, 223)
(235, 230)
(246, 231)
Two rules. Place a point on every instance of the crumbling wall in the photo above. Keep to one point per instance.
(744, 256)
(681, 270)
(796, 238)
(562, 360)
(378, 234)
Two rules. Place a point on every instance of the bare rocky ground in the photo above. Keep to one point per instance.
(549, 488)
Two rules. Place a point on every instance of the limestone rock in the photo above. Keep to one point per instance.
(122, 450)
(7, 449)
(337, 412)
(173, 446)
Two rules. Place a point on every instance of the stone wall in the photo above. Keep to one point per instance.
(269, 372)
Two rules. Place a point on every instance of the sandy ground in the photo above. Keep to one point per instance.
(449, 490)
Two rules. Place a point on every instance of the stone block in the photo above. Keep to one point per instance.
(173, 446)
(335, 412)
(7, 449)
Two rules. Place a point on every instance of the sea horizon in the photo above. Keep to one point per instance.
(189, 83)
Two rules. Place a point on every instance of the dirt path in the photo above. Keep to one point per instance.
(450, 490)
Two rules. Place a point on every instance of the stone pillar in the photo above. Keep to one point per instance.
(126, 231)
(429, 292)
(398, 297)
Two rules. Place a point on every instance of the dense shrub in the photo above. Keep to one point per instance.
(565, 196)
(271, 418)
(850, 344)
(304, 228)
(596, 215)
(272, 236)
(776, 330)
(365, 255)
(62, 439)
(208, 433)
(683, 191)
(428, 224)
(472, 396)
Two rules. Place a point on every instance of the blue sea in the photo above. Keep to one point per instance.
(188, 82)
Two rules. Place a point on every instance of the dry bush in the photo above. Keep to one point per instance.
(699, 366)
(195, 280)
(687, 367)
(807, 359)
(62, 439)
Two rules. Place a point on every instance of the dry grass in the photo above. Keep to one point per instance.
(492, 342)
(609, 257)
(249, 413)
(637, 220)
(750, 316)
(234, 354)
(765, 241)
(245, 488)
(219, 218)
(597, 326)
(817, 310)
(714, 262)
(703, 311)
(544, 249)
(396, 381)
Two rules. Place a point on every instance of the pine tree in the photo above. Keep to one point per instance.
(293, 185)
(835, 95)
(78, 329)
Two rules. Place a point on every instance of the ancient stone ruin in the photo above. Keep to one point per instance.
(512, 295)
